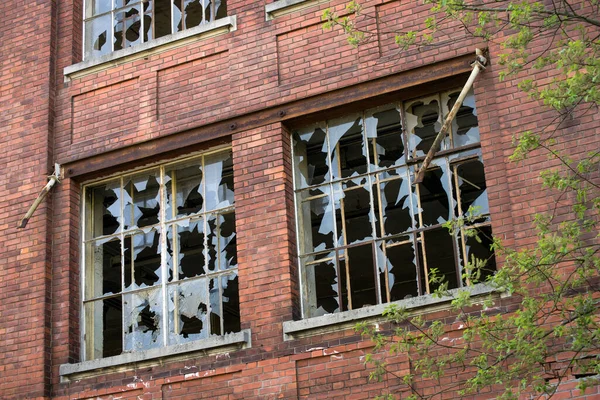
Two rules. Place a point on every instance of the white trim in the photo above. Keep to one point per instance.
(204, 31)
(344, 320)
(283, 7)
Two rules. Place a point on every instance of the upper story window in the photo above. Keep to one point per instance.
(366, 233)
(117, 24)
(160, 257)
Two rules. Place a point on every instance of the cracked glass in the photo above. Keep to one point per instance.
(367, 234)
(166, 234)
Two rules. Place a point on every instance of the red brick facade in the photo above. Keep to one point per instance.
(245, 88)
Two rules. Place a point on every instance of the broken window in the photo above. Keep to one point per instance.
(117, 24)
(160, 257)
(367, 234)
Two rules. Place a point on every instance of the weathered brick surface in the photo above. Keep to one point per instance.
(263, 64)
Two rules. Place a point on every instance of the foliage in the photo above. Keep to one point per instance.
(553, 330)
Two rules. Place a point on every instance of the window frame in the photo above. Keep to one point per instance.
(89, 15)
(452, 155)
(162, 228)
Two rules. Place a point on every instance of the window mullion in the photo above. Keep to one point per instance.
(163, 254)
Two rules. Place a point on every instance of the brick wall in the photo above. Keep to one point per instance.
(245, 88)
(26, 103)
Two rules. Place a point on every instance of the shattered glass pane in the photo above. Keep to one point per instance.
(402, 271)
(320, 212)
(142, 259)
(218, 179)
(310, 157)
(193, 13)
(127, 25)
(143, 315)
(106, 209)
(348, 151)
(190, 250)
(212, 242)
(105, 275)
(107, 338)
(423, 124)
(231, 303)
(358, 261)
(439, 250)
(98, 38)
(325, 285)
(162, 18)
(142, 200)
(464, 126)
(189, 302)
(480, 250)
(395, 207)
(185, 181)
(472, 188)
(434, 197)
(227, 242)
(384, 132)
(355, 223)
(220, 10)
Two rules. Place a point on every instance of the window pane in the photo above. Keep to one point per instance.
(423, 124)
(470, 179)
(103, 275)
(317, 214)
(393, 207)
(231, 303)
(105, 209)
(464, 126)
(347, 147)
(322, 291)
(353, 216)
(141, 200)
(384, 133)
(98, 36)
(218, 169)
(189, 302)
(402, 272)
(162, 18)
(359, 263)
(127, 25)
(477, 249)
(310, 157)
(95, 7)
(185, 182)
(143, 320)
(189, 248)
(434, 196)
(142, 260)
(439, 251)
(103, 320)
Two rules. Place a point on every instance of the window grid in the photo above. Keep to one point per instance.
(336, 187)
(111, 25)
(167, 288)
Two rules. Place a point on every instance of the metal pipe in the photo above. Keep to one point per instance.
(53, 179)
(478, 65)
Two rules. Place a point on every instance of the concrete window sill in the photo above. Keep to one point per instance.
(284, 7)
(215, 28)
(129, 361)
(347, 319)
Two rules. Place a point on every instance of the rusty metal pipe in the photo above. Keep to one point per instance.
(478, 65)
(53, 179)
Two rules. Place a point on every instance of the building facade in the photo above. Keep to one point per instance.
(236, 192)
